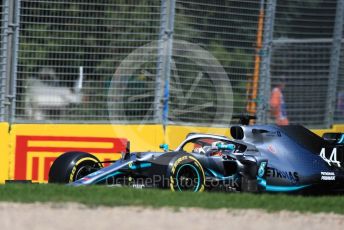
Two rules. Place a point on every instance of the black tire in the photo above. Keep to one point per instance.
(71, 166)
(186, 174)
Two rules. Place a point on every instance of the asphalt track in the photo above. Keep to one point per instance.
(15, 216)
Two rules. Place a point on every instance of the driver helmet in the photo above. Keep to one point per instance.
(215, 144)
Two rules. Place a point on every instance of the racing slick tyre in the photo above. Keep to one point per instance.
(186, 174)
(72, 166)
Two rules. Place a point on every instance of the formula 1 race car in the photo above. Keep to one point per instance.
(259, 158)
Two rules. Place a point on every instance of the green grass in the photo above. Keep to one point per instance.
(99, 195)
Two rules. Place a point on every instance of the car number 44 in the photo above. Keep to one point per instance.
(333, 157)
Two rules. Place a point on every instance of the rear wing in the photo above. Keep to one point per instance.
(335, 155)
(334, 138)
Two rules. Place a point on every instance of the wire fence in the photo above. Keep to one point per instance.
(171, 61)
(339, 111)
(75, 63)
(302, 51)
(214, 53)
(303, 65)
(3, 55)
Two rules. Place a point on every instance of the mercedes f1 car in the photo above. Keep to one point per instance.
(259, 158)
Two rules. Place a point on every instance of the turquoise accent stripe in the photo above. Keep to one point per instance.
(274, 188)
(141, 165)
(219, 175)
(271, 188)
(198, 177)
(261, 170)
(341, 141)
(261, 182)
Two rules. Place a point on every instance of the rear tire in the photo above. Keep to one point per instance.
(71, 166)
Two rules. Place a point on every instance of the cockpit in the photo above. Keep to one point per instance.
(212, 147)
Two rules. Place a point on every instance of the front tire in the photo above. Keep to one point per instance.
(186, 174)
(71, 166)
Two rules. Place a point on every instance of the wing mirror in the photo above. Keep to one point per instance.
(164, 147)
